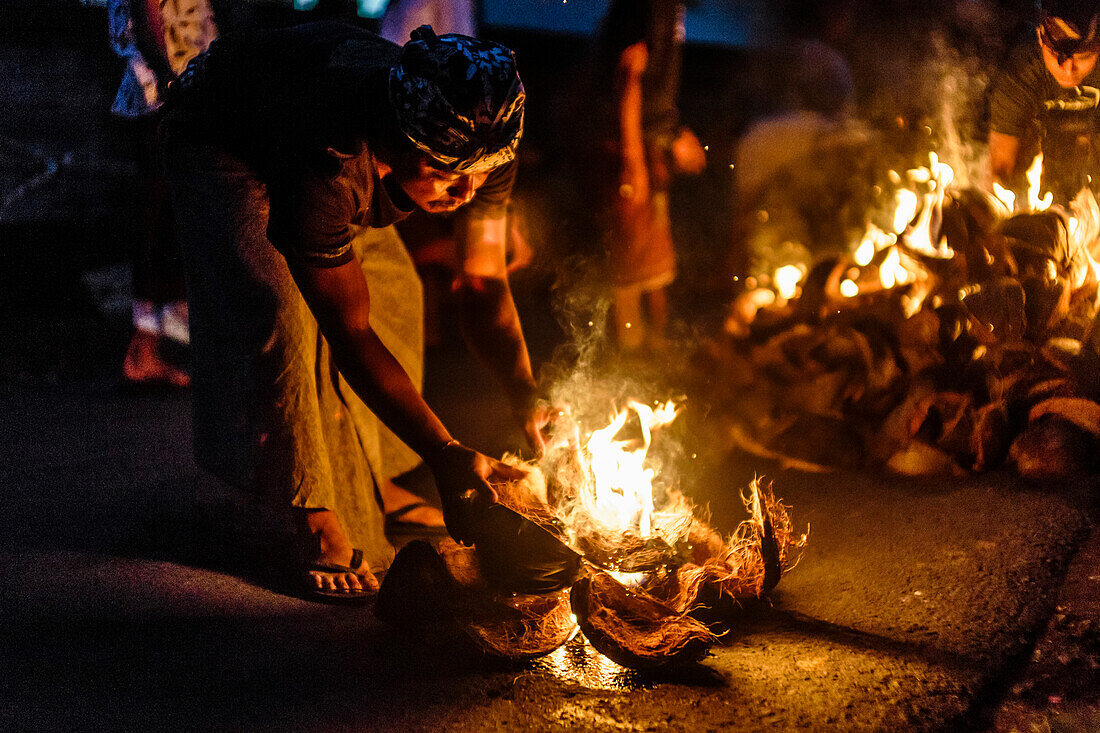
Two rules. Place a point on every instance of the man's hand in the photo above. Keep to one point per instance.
(465, 481)
(534, 416)
(519, 253)
(687, 153)
(634, 182)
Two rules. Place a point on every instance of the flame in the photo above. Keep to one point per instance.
(617, 493)
(1005, 196)
(891, 272)
(787, 279)
(905, 209)
(1034, 176)
(937, 177)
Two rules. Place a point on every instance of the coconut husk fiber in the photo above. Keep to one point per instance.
(726, 573)
(632, 628)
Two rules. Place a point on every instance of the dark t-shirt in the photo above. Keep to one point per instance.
(305, 107)
(1027, 103)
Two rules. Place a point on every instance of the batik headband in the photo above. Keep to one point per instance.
(459, 100)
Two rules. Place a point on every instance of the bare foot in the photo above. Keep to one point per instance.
(330, 545)
(145, 365)
(395, 498)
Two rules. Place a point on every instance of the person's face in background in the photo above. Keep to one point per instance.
(436, 190)
(1068, 71)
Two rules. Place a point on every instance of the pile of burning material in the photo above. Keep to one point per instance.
(956, 337)
(649, 584)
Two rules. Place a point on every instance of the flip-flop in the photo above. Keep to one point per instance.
(396, 525)
(323, 567)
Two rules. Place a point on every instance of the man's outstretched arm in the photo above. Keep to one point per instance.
(491, 323)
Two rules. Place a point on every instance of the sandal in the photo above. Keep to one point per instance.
(312, 590)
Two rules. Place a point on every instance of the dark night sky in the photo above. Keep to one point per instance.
(727, 22)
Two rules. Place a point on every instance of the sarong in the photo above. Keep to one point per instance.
(272, 413)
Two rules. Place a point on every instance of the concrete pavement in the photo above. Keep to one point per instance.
(136, 594)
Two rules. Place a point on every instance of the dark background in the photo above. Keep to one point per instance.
(66, 175)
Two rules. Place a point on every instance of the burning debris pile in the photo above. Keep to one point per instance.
(956, 336)
(583, 543)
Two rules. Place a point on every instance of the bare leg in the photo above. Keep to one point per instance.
(144, 363)
(626, 312)
(394, 498)
(656, 311)
(321, 530)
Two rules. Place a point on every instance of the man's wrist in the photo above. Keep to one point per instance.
(432, 456)
(523, 395)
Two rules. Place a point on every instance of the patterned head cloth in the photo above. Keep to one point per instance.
(1068, 27)
(459, 100)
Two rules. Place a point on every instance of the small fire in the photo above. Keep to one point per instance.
(900, 259)
(787, 279)
(1034, 175)
(1035, 202)
(617, 491)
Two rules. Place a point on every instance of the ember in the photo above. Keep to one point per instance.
(965, 339)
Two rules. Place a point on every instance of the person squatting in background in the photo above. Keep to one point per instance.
(1046, 98)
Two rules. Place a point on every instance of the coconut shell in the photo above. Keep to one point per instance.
(991, 438)
(1038, 236)
(1083, 413)
(523, 627)
(632, 628)
(1000, 304)
(518, 555)
(921, 459)
(438, 591)
(1052, 447)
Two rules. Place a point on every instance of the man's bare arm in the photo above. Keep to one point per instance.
(488, 314)
(634, 182)
(340, 301)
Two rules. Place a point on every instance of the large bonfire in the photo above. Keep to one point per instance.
(958, 334)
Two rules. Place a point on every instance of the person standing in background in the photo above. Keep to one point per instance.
(639, 51)
(156, 38)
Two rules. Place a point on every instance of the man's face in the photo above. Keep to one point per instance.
(437, 191)
(1068, 71)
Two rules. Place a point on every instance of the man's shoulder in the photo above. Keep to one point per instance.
(1024, 59)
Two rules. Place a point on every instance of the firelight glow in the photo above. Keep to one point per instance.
(787, 279)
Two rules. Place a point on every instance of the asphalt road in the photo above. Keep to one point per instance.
(137, 594)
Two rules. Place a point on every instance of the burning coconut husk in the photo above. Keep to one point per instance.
(927, 349)
(632, 628)
(652, 574)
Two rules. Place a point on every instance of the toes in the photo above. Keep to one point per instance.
(369, 581)
(363, 580)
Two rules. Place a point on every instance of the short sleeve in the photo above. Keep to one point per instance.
(309, 218)
(491, 200)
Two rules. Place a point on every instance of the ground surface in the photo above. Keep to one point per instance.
(137, 592)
